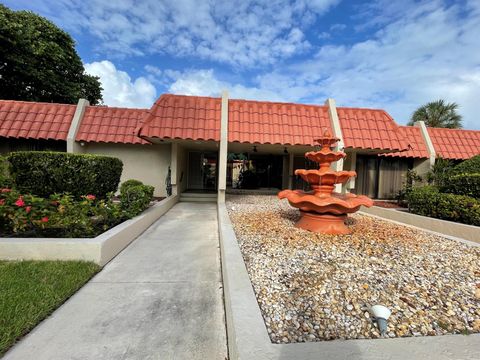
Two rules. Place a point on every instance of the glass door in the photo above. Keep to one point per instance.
(202, 171)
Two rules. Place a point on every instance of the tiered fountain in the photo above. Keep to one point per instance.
(325, 211)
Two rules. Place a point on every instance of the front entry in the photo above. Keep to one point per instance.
(202, 170)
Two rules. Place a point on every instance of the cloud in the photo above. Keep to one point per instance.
(119, 89)
(204, 83)
(425, 53)
(247, 33)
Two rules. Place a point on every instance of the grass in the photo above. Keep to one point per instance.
(32, 290)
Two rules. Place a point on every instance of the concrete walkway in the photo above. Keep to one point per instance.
(161, 298)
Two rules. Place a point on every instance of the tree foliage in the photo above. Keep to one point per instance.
(38, 62)
(438, 114)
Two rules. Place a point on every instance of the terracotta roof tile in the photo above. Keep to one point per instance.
(418, 148)
(455, 144)
(275, 123)
(34, 120)
(183, 117)
(370, 129)
(111, 125)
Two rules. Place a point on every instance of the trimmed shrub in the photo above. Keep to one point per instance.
(5, 179)
(470, 166)
(428, 201)
(129, 183)
(463, 184)
(135, 199)
(45, 173)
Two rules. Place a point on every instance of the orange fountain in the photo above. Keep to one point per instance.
(325, 211)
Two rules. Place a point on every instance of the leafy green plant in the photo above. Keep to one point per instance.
(45, 173)
(411, 179)
(441, 171)
(463, 184)
(5, 179)
(470, 166)
(135, 199)
(428, 201)
(129, 183)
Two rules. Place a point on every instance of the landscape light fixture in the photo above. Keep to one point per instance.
(285, 151)
(381, 314)
(255, 148)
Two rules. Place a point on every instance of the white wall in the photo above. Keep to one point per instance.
(147, 163)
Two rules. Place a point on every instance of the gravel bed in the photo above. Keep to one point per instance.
(313, 287)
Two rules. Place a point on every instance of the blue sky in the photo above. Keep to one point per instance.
(390, 54)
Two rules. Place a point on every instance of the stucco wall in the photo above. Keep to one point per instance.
(182, 163)
(421, 166)
(147, 163)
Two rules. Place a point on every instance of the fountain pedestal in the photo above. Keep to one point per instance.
(323, 210)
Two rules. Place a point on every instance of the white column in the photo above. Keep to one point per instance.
(222, 157)
(337, 132)
(72, 145)
(428, 142)
(353, 167)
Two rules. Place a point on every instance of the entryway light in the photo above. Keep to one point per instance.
(255, 148)
(285, 151)
(381, 314)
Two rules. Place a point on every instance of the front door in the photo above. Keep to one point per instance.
(202, 170)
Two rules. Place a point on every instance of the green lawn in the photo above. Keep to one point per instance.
(31, 290)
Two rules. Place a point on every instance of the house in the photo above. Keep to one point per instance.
(195, 142)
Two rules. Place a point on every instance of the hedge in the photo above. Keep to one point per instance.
(470, 166)
(135, 198)
(463, 184)
(45, 173)
(5, 179)
(428, 201)
(129, 183)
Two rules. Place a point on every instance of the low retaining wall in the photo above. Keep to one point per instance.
(248, 338)
(450, 228)
(100, 249)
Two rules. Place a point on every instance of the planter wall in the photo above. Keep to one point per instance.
(100, 249)
(449, 228)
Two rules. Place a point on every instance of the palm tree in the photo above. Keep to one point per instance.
(438, 114)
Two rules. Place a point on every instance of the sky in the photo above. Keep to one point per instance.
(391, 54)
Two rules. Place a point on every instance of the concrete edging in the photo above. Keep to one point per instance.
(443, 227)
(248, 338)
(100, 249)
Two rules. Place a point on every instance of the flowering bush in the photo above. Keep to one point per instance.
(56, 216)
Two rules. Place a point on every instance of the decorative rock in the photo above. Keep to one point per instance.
(313, 287)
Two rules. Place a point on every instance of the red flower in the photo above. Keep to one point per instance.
(90, 197)
(20, 202)
(28, 208)
(6, 190)
(2, 201)
(44, 219)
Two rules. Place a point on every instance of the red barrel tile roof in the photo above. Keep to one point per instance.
(35, 120)
(455, 144)
(370, 129)
(418, 148)
(275, 123)
(111, 125)
(183, 117)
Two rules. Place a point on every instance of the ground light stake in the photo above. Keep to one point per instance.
(381, 314)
